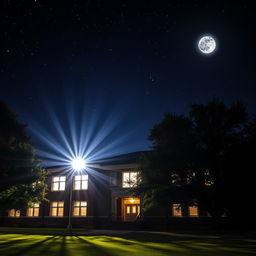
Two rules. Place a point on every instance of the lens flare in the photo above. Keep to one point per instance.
(78, 164)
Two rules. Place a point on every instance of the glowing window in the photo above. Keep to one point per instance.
(80, 182)
(80, 208)
(193, 211)
(176, 210)
(129, 179)
(58, 183)
(33, 211)
(57, 209)
(14, 213)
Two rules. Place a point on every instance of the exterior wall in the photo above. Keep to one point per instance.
(103, 204)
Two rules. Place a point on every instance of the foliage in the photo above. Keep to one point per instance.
(200, 159)
(21, 178)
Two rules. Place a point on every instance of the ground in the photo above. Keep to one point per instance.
(135, 243)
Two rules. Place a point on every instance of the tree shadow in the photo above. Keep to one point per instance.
(93, 249)
(30, 247)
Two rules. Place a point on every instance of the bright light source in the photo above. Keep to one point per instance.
(78, 164)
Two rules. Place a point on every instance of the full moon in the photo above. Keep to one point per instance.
(207, 44)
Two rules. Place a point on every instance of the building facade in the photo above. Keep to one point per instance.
(97, 198)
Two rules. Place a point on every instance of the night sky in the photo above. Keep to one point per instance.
(93, 77)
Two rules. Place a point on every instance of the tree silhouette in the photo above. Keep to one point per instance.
(21, 178)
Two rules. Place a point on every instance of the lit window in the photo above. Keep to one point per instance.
(129, 179)
(58, 183)
(193, 211)
(57, 209)
(80, 208)
(33, 211)
(176, 210)
(14, 213)
(80, 182)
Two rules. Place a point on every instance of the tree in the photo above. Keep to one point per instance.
(200, 159)
(164, 170)
(22, 181)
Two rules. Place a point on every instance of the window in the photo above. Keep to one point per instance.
(208, 178)
(80, 208)
(176, 210)
(14, 213)
(129, 179)
(33, 211)
(193, 211)
(113, 179)
(57, 209)
(58, 183)
(80, 182)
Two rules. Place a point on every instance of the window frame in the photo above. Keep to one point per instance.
(79, 207)
(57, 209)
(15, 215)
(180, 209)
(127, 182)
(189, 211)
(33, 210)
(59, 182)
(80, 182)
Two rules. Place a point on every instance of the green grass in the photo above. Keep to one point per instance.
(20, 244)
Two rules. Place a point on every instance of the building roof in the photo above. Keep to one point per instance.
(128, 160)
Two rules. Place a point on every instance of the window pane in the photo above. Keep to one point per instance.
(127, 209)
(54, 204)
(56, 178)
(54, 212)
(76, 211)
(30, 212)
(84, 203)
(36, 212)
(60, 212)
(62, 178)
(55, 186)
(193, 211)
(62, 185)
(84, 184)
(85, 177)
(176, 210)
(76, 203)
(126, 179)
(133, 178)
(61, 204)
(11, 213)
(78, 177)
(134, 209)
(77, 185)
(17, 214)
(83, 211)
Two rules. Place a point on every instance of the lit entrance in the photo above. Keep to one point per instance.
(131, 208)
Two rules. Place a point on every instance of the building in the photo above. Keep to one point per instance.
(100, 198)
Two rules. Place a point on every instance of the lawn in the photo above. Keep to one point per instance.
(20, 244)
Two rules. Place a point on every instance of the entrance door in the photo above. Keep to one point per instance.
(131, 212)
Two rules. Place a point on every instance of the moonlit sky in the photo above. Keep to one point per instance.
(93, 77)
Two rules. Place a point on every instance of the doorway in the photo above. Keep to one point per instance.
(131, 208)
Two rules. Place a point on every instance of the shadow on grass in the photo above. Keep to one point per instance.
(31, 247)
(126, 245)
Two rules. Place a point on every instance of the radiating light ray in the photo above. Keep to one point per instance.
(59, 129)
(87, 132)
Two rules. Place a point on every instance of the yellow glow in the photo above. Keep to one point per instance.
(131, 201)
